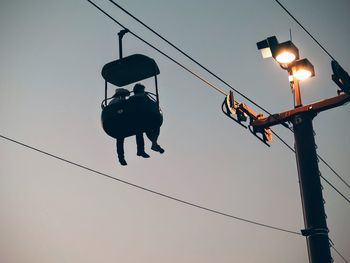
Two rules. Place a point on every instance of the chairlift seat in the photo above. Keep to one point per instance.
(131, 116)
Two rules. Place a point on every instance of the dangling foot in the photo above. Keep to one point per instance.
(143, 154)
(157, 148)
(122, 161)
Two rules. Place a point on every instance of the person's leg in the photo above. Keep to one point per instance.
(141, 146)
(153, 136)
(120, 150)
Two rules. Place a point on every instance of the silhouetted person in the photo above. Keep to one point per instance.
(120, 95)
(139, 91)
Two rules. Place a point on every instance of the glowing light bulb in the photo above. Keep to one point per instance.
(302, 74)
(285, 57)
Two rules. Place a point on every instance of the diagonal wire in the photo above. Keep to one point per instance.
(325, 50)
(296, 20)
(202, 79)
(189, 57)
(220, 79)
(339, 254)
(147, 189)
(155, 48)
(335, 188)
(337, 174)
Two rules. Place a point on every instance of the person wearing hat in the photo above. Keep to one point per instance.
(120, 95)
(139, 91)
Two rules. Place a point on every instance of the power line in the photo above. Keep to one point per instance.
(189, 57)
(158, 193)
(335, 188)
(296, 20)
(147, 189)
(155, 48)
(217, 77)
(324, 49)
(337, 174)
(241, 93)
(343, 258)
(220, 79)
(329, 183)
(193, 73)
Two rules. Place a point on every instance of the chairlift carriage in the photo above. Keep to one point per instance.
(135, 114)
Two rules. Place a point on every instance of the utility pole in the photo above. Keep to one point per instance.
(287, 55)
(316, 231)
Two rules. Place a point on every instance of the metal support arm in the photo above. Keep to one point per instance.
(313, 108)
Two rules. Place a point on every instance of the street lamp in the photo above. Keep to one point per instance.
(316, 231)
(287, 55)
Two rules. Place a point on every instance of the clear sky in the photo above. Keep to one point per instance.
(51, 56)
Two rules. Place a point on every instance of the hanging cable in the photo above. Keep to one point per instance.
(337, 174)
(220, 79)
(155, 48)
(342, 257)
(335, 188)
(196, 75)
(324, 49)
(147, 189)
(189, 57)
(339, 254)
(296, 20)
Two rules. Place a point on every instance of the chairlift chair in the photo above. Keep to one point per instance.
(135, 114)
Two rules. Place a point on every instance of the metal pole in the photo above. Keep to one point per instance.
(157, 93)
(120, 38)
(295, 88)
(316, 231)
(297, 96)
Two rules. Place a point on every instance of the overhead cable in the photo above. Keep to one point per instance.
(189, 57)
(195, 74)
(157, 49)
(345, 198)
(325, 50)
(339, 254)
(335, 172)
(296, 20)
(147, 189)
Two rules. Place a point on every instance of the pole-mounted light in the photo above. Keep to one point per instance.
(287, 55)
(284, 53)
(302, 69)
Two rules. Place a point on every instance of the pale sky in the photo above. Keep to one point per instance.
(51, 56)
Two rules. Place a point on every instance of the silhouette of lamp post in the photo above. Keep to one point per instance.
(316, 231)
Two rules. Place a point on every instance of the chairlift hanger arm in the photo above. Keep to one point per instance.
(231, 107)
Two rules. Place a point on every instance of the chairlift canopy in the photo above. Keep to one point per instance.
(129, 70)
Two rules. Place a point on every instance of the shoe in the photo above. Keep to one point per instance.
(157, 148)
(122, 161)
(143, 154)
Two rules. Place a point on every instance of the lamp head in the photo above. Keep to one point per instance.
(266, 46)
(302, 69)
(284, 53)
